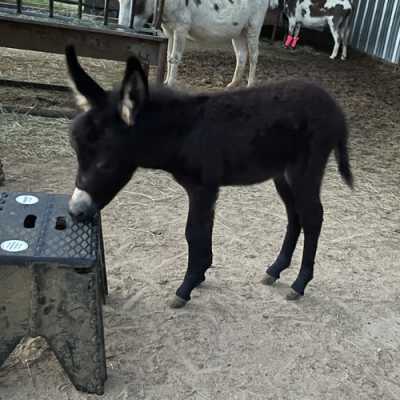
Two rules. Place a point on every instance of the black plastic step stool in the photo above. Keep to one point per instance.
(53, 283)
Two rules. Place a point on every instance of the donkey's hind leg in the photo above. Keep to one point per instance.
(291, 31)
(253, 43)
(292, 233)
(334, 27)
(311, 216)
(306, 192)
(345, 33)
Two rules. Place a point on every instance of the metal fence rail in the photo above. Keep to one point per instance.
(30, 28)
(81, 4)
(376, 29)
(42, 29)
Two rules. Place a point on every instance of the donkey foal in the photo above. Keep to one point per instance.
(284, 131)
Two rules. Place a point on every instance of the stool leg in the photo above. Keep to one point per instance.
(70, 318)
(7, 346)
(15, 297)
(103, 262)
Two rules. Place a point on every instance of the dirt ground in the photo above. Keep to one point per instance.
(236, 339)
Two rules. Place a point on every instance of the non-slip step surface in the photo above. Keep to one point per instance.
(36, 227)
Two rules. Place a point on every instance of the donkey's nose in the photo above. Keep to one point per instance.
(80, 216)
(81, 206)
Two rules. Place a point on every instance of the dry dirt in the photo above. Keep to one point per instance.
(236, 339)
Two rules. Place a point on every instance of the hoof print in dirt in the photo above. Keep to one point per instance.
(177, 302)
(293, 295)
(268, 280)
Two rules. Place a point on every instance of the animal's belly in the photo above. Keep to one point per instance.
(220, 32)
(251, 175)
(225, 23)
(313, 22)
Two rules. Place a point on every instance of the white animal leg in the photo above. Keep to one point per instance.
(253, 39)
(297, 29)
(290, 36)
(178, 48)
(170, 35)
(252, 43)
(346, 36)
(124, 12)
(241, 51)
(336, 38)
(296, 36)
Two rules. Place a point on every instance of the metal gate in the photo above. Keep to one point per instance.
(376, 29)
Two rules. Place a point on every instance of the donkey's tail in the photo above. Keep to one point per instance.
(342, 158)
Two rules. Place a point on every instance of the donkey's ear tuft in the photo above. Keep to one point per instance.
(87, 92)
(134, 90)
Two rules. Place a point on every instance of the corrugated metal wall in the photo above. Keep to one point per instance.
(376, 28)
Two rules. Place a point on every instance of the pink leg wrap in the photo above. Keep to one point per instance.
(294, 42)
(288, 40)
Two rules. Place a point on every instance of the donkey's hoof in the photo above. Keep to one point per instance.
(233, 84)
(268, 280)
(293, 295)
(177, 302)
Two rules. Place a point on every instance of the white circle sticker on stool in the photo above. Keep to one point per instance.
(14, 246)
(27, 199)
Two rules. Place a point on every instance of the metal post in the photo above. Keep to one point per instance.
(277, 23)
(162, 63)
(133, 4)
(146, 68)
(106, 11)
(158, 14)
(19, 6)
(80, 3)
(51, 8)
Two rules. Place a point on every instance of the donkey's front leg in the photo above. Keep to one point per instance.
(124, 14)
(199, 238)
(292, 31)
(170, 35)
(175, 58)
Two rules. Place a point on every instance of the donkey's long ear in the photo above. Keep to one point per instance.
(134, 90)
(87, 92)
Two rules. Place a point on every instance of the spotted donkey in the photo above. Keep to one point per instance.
(206, 21)
(337, 14)
(285, 132)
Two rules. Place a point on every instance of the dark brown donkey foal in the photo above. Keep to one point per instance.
(284, 131)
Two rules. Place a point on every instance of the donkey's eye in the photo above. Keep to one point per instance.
(104, 166)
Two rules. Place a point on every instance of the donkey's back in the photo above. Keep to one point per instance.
(217, 20)
(251, 135)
